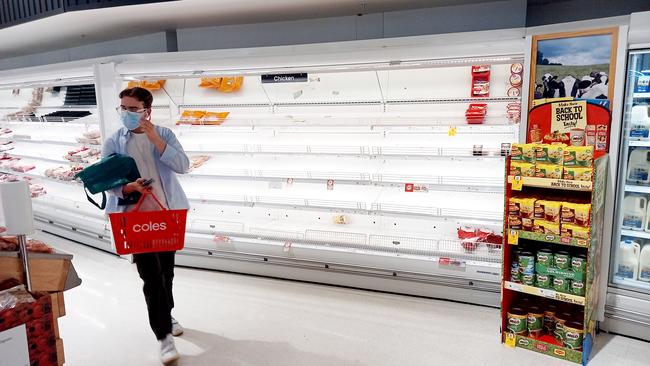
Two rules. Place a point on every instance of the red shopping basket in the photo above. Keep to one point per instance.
(150, 231)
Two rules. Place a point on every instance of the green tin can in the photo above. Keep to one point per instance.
(535, 322)
(526, 263)
(560, 320)
(573, 335)
(549, 318)
(528, 279)
(517, 320)
(578, 288)
(544, 281)
(562, 260)
(561, 284)
(579, 263)
(545, 258)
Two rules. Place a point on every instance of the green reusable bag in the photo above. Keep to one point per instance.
(112, 171)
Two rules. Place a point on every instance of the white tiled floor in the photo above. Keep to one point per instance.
(235, 320)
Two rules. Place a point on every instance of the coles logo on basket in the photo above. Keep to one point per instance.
(141, 228)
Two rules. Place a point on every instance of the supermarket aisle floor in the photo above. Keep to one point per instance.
(233, 320)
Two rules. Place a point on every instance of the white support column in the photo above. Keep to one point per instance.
(107, 87)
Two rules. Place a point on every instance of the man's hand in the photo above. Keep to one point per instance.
(150, 130)
(136, 186)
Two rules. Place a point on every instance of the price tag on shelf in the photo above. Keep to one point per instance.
(513, 237)
(551, 294)
(517, 183)
(511, 339)
(452, 131)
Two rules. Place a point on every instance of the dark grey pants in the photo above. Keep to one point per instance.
(157, 273)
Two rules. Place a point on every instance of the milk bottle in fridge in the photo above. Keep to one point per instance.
(640, 122)
(644, 263)
(627, 260)
(634, 212)
(638, 170)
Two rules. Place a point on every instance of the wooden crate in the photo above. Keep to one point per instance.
(59, 351)
(48, 272)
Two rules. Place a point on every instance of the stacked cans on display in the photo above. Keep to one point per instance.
(548, 269)
(535, 319)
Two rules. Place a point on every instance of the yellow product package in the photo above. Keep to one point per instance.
(514, 222)
(576, 213)
(578, 173)
(522, 169)
(527, 208)
(574, 231)
(514, 207)
(549, 153)
(538, 211)
(517, 152)
(579, 156)
(552, 228)
(538, 226)
(528, 153)
(527, 224)
(551, 171)
(545, 227)
(552, 210)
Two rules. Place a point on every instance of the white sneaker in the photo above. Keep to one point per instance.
(168, 352)
(177, 329)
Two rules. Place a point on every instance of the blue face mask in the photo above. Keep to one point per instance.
(131, 120)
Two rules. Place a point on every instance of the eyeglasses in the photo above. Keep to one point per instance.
(130, 109)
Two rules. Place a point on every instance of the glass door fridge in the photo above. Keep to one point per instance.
(628, 297)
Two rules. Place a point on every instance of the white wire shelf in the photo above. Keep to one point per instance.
(41, 158)
(350, 102)
(640, 143)
(366, 199)
(628, 282)
(387, 151)
(288, 235)
(37, 175)
(637, 188)
(53, 142)
(636, 234)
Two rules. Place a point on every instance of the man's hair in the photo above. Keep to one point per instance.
(141, 94)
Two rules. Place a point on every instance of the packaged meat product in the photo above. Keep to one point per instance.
(481, 88)
(515, 80)
(480, 70)
(147, 84)
(6, 246)
(514, 91)
(22, 168)
(197, 117)
(38, 246)
(475, 113)
(197, 161)
(94, 134)
(517, 68)
(13, 297)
